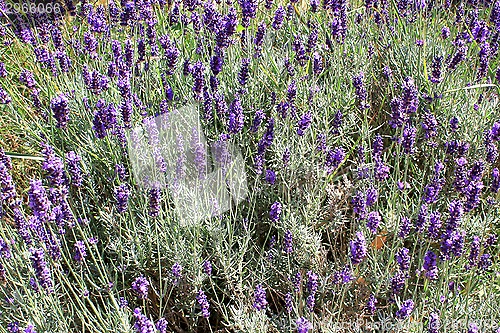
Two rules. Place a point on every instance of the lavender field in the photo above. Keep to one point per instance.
(249, 166)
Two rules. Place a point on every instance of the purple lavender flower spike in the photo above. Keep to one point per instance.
(303, 325)
(371, 196)
(259, 38)
(460, 54)
(358, 248)
(403, 259)
(475, 247)
(495, 180)
(270, 176)
(275, 211)
(154, 201)
(260, 301)
(358, 202)
(473, 328)
(405, 310)
(377, 145)
(42, 270)
(141, 287)
(38, 199)
(381, 169)
(286, 157)
(30, 329)
(371, 305)
(72, 162)
(122, 303)
(398, 282)
(279, 16)
(456, 211)
(291, 92)
(288, 241)
(473, 194)
(409, 100)
(290, 67)
(243, 73)
(404, 227)
(445, 32)
(3, 71)
(373, 221)
(289, 302)
(4, 97)
(312, 282)
(257, 120)
(236, 116)
(485, 262)
(430, 266)
(142, 323)
(434, 323)
(434, 229)
(311, 302)
(80, 251)
(8, 193)
(162, 325)
(484, 60)
(27, 78)
(334, 158)
(304, 123)
(5, 251)
(429, 125)
(454, 123)
(297, 282)
(176, 271)
(60, 109)
(207, 267)
(422, 219)
(361, 93)
(337, 122)
(199, 81)
(13, 327)
(317, 63)
(202, 300)
(216, 63)
(122, 194)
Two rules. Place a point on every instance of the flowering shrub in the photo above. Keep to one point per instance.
(367, 132)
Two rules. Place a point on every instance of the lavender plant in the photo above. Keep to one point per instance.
(368, 135)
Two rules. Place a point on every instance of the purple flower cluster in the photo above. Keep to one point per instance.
(260, 301)
(42, 270)
(334, 158)
(202, 300)
(304, 123)
(60, 109)
(74, 170)
(288, 241)
(405, 310)
(207, 267)
(361, 93)
(122, 194)
(373, 220)
(275, 211)
(141, 287)
(358, 248)
(303, 325)
(236, 116)
(176, 271)
(142, 323)
(430, 266)
(371, 305)
(104, 118)
(80, 251)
